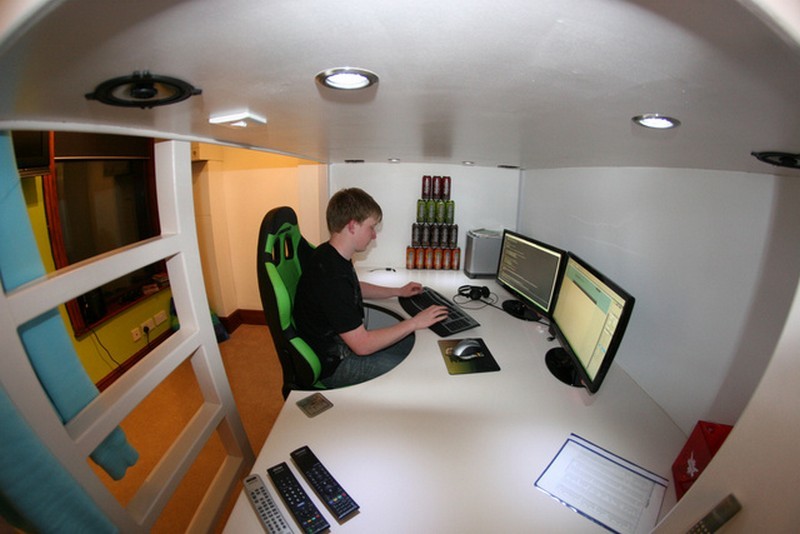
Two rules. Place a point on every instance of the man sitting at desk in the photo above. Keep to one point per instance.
(329, 310)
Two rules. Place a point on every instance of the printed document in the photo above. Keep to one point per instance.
(604, 487)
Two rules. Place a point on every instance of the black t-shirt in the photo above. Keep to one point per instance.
(328, 302)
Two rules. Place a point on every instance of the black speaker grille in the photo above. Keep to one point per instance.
(142, 90)
(781, 159)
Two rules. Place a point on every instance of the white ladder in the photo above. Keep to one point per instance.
(72, 443)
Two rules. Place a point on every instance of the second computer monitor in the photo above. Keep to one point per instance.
(589, 320)
(530, 270)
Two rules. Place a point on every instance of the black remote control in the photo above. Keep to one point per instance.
(303, 509)
(327, 488)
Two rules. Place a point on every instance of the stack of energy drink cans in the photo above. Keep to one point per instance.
(434, 235)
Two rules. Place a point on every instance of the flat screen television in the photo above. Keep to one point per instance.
(32, 150)
(589, 319)
(530, 270)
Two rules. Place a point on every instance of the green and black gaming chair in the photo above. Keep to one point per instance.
(281, 253)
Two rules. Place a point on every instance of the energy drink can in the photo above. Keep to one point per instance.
(426, 187)
(425, 237)
(450, 211)
(444, 235)
(446, 187)
(437, 258)
(429, 258)
(447, 258)
(455, 260)
(436, 235)
(437, 188)
(430, 211)
(440, 211)
(410, 257)
(422, 210)
(454, 236)
(419, 258)
(416, 234)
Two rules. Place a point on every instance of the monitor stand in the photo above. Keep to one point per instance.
(561, 366)
(519, 310)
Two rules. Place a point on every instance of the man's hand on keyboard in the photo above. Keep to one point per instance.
(440, 315)
(410, 289)
(428, 316)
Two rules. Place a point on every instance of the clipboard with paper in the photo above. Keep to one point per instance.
(603, 487)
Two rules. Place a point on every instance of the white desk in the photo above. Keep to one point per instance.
(423, 451)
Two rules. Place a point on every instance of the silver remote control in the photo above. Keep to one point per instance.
(718, 516)
(269, 514)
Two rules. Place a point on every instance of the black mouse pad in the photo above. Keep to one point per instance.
(483, 362)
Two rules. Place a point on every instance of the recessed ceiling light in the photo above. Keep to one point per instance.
(238, 119)
(656, 121)
(468, 163)
(347, 78)
(394, 160)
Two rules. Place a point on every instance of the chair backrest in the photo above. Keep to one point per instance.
(280, 256)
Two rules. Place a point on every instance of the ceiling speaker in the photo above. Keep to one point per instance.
(143, 90)
(781, 159)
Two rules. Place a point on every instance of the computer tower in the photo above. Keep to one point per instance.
(482, 253)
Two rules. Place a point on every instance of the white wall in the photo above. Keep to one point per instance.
(249, 197)
(234, 194)
(211, 216)
(484, 197)
(708, 256)
(758, 462)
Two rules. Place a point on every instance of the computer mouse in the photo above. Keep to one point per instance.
(467, 349)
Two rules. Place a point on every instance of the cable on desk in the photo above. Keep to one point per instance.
(486, 303)
(466, 300)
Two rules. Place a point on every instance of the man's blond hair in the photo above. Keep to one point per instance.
(351, 204)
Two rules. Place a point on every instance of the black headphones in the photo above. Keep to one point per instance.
(474, 292)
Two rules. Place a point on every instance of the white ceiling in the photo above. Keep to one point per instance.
(533, 83)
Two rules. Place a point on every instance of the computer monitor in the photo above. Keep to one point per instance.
(589, 320)
(530, 270)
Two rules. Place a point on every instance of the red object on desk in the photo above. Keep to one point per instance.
(703, 443)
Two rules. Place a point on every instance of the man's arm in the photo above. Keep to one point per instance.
(364, 342)
(372, 291)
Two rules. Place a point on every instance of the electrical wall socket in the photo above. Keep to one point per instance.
(136, 334)
(160, 317)
(148, 325)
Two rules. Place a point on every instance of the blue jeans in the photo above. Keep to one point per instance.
(354, 369)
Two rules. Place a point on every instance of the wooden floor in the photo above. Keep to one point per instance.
(255, 377)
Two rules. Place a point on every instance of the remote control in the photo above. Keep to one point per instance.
(265, 507)
(718, 516)
(303, 509)
(327, 488)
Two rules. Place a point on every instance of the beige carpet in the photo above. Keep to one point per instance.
(255, 377)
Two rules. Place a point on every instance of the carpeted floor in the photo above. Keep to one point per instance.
(255, 377)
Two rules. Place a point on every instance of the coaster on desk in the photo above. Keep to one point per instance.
(482, 363)
(314, 404)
